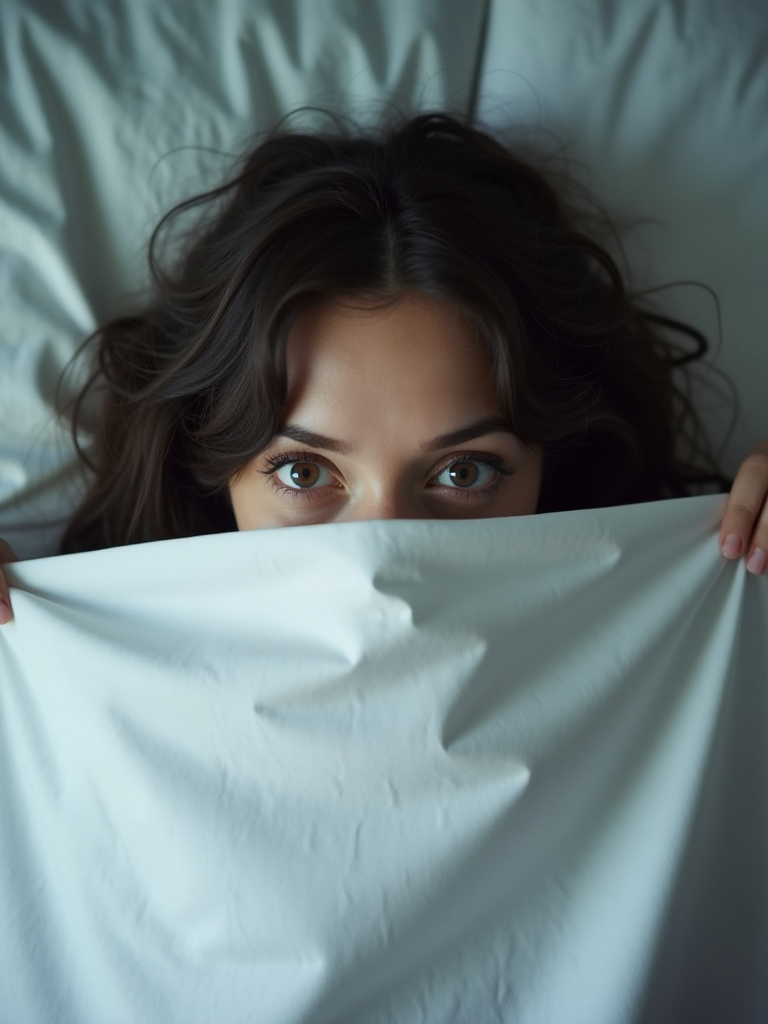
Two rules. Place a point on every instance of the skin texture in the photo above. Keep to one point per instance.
(387, 384)
(744, 529)
(6, 555)
(355, 375)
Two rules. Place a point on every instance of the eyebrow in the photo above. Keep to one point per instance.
(296, 433)
(490, 425)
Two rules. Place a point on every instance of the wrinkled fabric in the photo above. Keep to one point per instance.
(492, 770)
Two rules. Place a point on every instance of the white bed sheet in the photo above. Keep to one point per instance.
(505, 770)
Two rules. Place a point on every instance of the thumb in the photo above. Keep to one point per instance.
(7, 554)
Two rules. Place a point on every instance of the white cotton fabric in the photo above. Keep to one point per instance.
(492, 770)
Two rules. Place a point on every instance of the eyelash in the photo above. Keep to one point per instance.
(496, 462)
(275, 462)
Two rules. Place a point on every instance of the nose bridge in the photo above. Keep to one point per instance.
(387, 499)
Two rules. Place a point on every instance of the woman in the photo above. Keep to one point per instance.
(404, 323)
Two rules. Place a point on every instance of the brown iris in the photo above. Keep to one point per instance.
(464, 474)
(305, 474)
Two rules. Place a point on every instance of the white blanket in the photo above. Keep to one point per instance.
(496, 770)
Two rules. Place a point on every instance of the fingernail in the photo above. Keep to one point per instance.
(5, 612)
(757, 561)
(732, 546)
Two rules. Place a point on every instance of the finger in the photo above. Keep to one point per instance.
(6, 555)
(757, 548)
(744, 529)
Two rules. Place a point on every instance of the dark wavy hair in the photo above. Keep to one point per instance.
(193, 384)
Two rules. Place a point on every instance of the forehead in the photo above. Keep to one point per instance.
(421, 345)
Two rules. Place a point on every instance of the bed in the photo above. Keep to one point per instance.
(393, 798)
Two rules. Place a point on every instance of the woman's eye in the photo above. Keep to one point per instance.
(468, 474)
(304, 475)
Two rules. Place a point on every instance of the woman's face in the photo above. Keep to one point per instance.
(391, 414)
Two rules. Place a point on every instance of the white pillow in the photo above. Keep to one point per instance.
(665, 105)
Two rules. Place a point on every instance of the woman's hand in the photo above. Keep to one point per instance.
(6, 555)
(745, 523)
